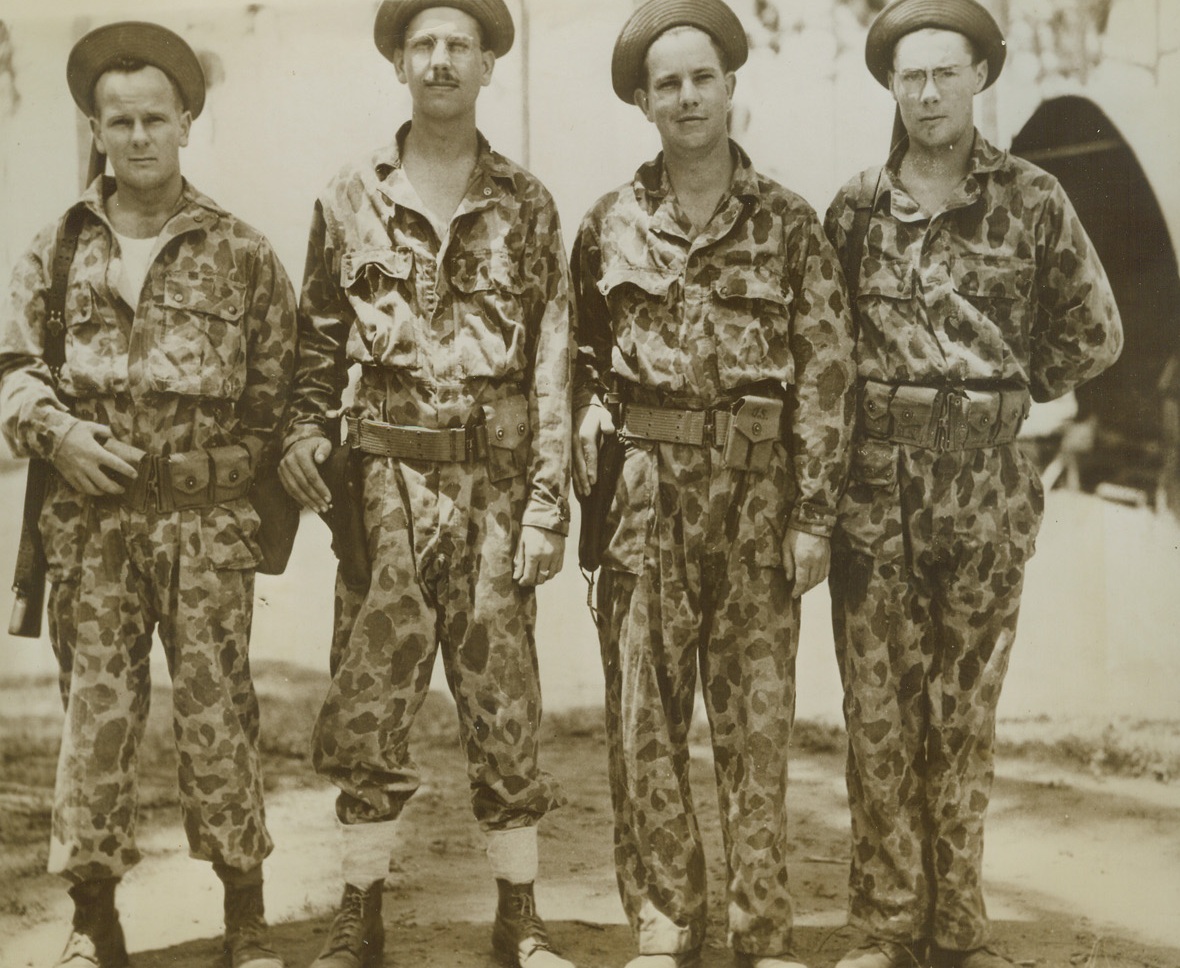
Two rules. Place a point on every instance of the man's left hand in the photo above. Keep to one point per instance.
(806, 558)
(538, 556)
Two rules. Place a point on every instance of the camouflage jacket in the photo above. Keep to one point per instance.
(204, 360)
(756, 298)
(1002, 287)
(485, 314)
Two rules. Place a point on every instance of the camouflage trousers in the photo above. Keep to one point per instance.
(441, 539)
(924, 627)
(118, 576)
(693, 580)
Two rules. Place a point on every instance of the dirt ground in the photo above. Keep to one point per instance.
(1066, 848)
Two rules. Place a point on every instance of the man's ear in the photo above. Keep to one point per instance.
(96, 134)
(399, 64)
(981, 72)
(730, 85)
(186, 123)
(642, 102)
(489, 64)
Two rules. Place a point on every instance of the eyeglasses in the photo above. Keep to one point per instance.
(457, 46)
(913, 82)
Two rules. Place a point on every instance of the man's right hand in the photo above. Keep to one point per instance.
(92, 461)
(592, 422)
(299, 470)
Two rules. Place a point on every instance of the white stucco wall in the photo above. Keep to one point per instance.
(302, 89)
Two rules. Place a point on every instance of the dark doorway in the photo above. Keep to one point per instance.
(1073, 139)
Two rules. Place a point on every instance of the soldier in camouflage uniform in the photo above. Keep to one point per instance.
(977, 289)
(712, 329)
(437, 265)
(179, 350)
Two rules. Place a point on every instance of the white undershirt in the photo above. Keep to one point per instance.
(135, 256)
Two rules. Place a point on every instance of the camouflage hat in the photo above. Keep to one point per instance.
(653, 18)
(393, 16)
(95, 53)
(966, 17)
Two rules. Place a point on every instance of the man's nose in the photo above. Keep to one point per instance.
(439, 55)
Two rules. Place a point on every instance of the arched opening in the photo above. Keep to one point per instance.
(1073, 139)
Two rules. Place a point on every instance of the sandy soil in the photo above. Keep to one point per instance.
(1082, 871)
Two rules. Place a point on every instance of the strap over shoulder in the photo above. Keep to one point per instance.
(855, 247)
(63, 257)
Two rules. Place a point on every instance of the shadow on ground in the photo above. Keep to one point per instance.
(466, 945)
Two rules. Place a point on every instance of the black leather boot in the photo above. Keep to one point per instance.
(357, 936)
(519, 937)
(96, 940)
(245, 944)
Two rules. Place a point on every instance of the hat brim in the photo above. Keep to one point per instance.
(393, 15)
(646, 24)
(962, 16)
(94, 54)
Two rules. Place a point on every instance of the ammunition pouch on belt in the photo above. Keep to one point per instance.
(502, 424)
(193, 479)
(942, 418)
(745, 431)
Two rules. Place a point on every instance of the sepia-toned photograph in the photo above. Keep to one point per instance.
(590, 484)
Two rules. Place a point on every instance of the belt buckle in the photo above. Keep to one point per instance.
(153, 494)
(695, 424)
(943, 436)
(709, 428)
(458, 445)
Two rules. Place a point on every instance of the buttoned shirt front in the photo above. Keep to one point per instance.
(204, 359)
(454, 320)
(1001, 287)
(756, 299)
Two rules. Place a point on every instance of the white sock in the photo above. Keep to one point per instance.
(365, 851)
(513, 854)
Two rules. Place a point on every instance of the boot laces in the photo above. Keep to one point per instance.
(524, 913)
(348, 925)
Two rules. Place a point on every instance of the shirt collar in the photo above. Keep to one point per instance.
(984, 159)
(389, 158)
(652, 184)
(191, 200)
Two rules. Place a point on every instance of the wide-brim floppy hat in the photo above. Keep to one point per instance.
(392, 17)
(653, 18)
(94, 54)
(966, 17)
